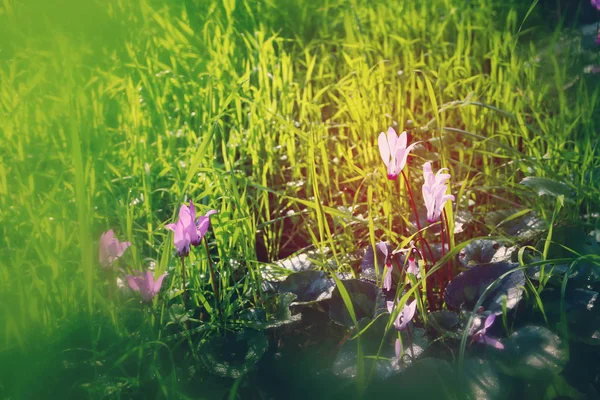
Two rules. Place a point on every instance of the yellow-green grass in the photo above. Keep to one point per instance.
(113, 115)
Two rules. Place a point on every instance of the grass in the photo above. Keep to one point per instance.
(112, 116)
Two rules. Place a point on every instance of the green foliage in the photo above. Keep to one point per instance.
(113, 115)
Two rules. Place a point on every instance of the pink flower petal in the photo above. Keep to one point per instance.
(384, 148)
(392, 139)
(133, 283)
(387, 281)
(159, 282)
(398, 348)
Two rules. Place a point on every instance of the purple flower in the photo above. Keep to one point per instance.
(187, 231)
(596, 3)
(202, 224)
(407, 313)
(110, 248)
(481, 337)
(434, 192)
(394, 152)
(145, 284)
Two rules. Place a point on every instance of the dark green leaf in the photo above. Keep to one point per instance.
(308, 286)
(233, 355)
(367, 299)
(467, 287)
(532, 352)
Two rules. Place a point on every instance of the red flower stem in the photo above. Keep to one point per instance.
(412, 201)
(414, 207)
(212, 279)
(424, 244)
(449, 245)
(443, 270)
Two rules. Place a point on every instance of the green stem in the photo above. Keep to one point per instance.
(184, 297)
(214, 282)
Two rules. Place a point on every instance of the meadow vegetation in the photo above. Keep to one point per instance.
(113, 115)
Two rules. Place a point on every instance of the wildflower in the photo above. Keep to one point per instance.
(413, 268)
(596, 3)
(187, 231)
(401, 322)
(145, 284)
(407, 313)
(434, 192)
(202, 224)
(184, 231)
(394, 152)
(110, 248)
(481, 337)
(387, 280)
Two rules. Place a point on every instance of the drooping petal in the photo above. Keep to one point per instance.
(171, 227)
(398, 348)
(122, 247)
(108, 236)
(159, 282)
(402, 140)
(407, 313)
(428, 176)
(192, 210)
(188, 223)
(392, 138)
(109, 248)
(383, 248)
(146, 284)
(204, 224)
(442, 203)
(488, 322)
(412, 266)
(402, 156)
(387, 281)
(149, 279)
(384, 148)
(181, 239)
(133, 283)
(390, 306)
(429, 200)
(492, 342)
(441, 177)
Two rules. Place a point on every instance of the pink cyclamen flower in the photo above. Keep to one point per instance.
(394, 152)
(481, 337)
(407, 313)
(434, 192)
(145, 284)
(596, 3)
(401, 322)
(110, 248)
(387, 280)
(413, 268)
(186, 231)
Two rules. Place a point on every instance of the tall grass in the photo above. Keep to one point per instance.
(114, 123)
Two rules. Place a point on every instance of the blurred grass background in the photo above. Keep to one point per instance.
(113, 113)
